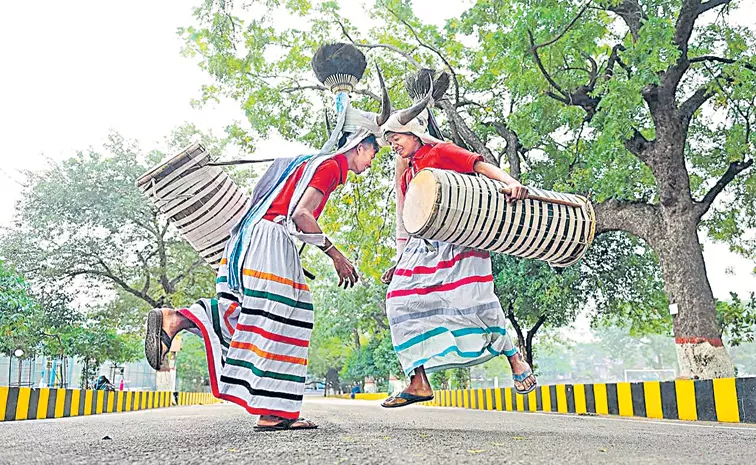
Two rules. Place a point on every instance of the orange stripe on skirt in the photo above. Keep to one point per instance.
(275, 278)
(268, 355)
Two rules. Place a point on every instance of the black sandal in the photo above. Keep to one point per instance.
(286, 424)
(155, 338)
(406, 397)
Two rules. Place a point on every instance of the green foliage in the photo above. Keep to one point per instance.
(17, 312)
(737, 318)
(620, 275)
(191, 364)
(460, 378)
(566, 146)
(97, 255)
(440, 379)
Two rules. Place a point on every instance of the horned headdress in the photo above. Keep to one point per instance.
(424, 89)
(340, 67)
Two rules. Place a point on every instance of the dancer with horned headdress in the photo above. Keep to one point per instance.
(441, 305)
(257, 330)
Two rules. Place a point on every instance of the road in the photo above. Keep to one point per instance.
(361, 432)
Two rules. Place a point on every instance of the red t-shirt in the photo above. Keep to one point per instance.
(444, 156)
(328, 176)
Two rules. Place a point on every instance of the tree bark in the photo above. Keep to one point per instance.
(520, 336)
(697, 336)
(529, 339)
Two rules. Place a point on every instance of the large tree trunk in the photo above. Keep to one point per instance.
(700, 352)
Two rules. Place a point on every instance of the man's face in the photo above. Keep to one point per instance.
(404, 144)
(364, 158)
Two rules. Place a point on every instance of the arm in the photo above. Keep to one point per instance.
(401, 233)
(304, 218)
(488, 170)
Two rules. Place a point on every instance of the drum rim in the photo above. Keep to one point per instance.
(429, 220)
(183, 153)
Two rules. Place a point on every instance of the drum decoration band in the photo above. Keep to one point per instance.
(472, 211)
(199, 199)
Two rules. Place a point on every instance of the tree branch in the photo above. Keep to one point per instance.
(733, 170)
(184, 273)
(120, 282)
(393, 48)
(639, 146)
(539, 63)
(529, 339)
(686, 20)
(288, 90)
(632, 13)
(638, 218)
(704, 7)
(512, 319)
(569, 26)
(163, 259)
(432, 49)
(467, 134)
(717, 59)
(693, 103)
(513, 148)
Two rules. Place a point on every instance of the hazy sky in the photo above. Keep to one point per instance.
(72, 71)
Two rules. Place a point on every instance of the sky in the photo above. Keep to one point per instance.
(73, 71)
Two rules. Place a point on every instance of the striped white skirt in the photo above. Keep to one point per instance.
(257, 340)
(442, 308)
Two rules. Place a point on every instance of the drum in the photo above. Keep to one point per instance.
(470, 211)
(200, 200)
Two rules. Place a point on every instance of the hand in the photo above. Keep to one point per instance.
(517, 192)
(388, 275)
(345, 270)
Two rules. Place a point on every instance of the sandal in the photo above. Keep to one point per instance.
(285, 424)
(522, 377)
(155, 338)
(407, 399)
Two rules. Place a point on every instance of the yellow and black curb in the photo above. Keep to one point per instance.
(726, 400)
(36, 404)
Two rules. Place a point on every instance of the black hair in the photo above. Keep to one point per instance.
(371, 141)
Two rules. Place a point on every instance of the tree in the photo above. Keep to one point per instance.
(628, 102)
(83, 227)
(532, 294)
(17, 312)
(662, 106)
(84, 222)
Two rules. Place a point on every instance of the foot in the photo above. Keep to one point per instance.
(173, 323)
(162, 326)
(270, 421)
(522, 374)
(418, 387)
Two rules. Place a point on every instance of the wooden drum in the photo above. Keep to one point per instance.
(470, 211)
(200, 200)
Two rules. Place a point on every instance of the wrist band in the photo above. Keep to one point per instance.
(325, 251)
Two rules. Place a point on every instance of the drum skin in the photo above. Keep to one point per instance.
(201, 201)
(468, 210)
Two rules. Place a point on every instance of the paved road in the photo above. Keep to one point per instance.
(360, 432)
